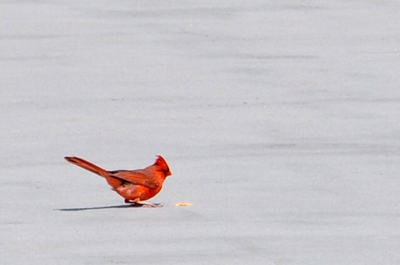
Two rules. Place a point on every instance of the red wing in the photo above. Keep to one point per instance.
(137, 177)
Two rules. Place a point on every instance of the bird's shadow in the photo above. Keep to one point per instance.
(99, 208)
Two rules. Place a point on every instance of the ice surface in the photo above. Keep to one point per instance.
(280, 121)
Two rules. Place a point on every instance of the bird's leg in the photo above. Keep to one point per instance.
(143, 203)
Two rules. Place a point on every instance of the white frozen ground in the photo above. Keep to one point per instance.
(280, 121)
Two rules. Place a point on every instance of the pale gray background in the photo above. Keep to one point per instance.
(280, 121)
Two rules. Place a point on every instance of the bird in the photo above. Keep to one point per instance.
(136, 186)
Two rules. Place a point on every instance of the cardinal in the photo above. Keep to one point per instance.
(136, 186)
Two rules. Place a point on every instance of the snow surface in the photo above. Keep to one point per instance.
(280, 121)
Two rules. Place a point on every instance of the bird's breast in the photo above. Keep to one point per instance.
(132, 192)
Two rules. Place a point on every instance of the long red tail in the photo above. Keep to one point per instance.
(87, 165)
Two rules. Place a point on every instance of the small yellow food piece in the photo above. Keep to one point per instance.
(183, 204)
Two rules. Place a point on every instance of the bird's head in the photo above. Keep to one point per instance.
(163, 166)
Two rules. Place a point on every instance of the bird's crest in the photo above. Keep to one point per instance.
(162, 164)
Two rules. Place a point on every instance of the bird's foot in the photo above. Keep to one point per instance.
(151, 205)
(145, 204)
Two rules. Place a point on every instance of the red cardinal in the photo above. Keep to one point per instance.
(134, 185)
